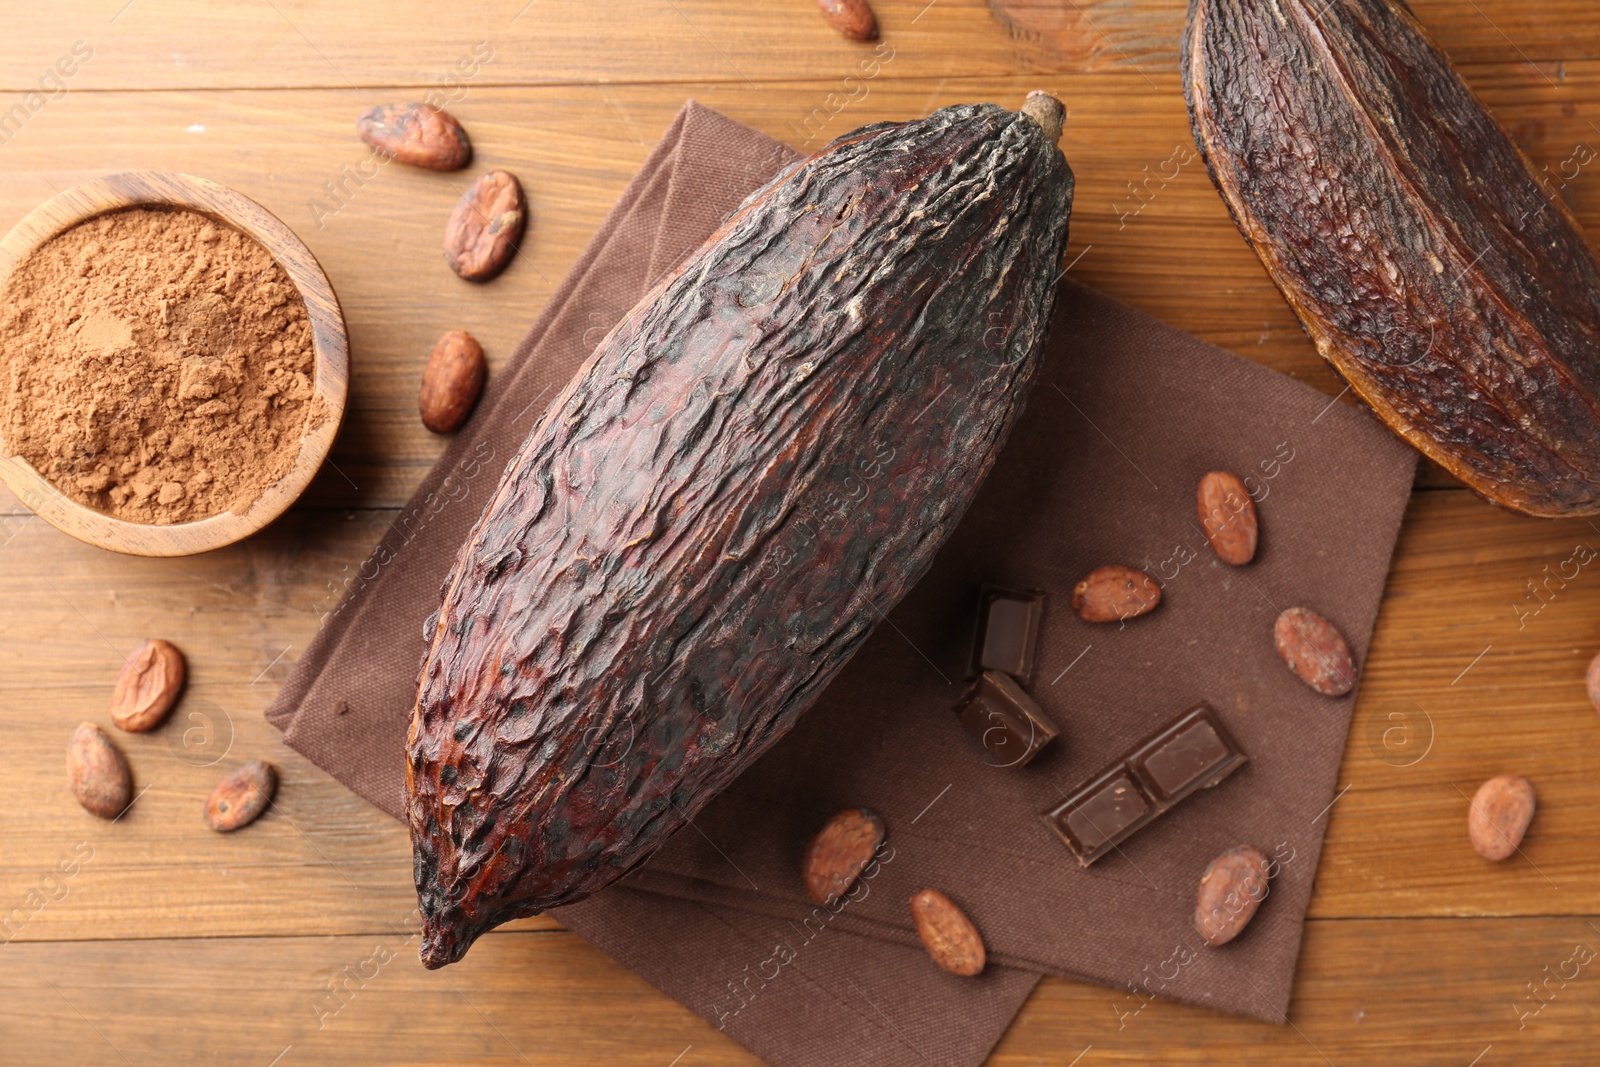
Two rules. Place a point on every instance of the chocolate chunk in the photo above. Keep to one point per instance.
(1008, 632)
(1185, 756)
(1191, 753)
(1110, 808)
(1004, 719)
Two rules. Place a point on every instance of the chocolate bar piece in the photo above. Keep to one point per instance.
(1008, 632)
(1004, 719)
(1191, 753)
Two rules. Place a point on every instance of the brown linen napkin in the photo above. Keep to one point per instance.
(1127, 415)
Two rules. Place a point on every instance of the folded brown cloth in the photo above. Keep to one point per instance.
(1102, 468)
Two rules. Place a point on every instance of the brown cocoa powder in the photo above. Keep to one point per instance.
(156, 365)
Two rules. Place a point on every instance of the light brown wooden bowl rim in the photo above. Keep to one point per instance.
(115, 192)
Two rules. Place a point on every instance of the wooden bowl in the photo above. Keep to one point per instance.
(332, 357)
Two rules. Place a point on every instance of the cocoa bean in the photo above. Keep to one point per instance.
(853, 18)
(839, 852)
(1315, 651)
(486, 225)
(418, 134)
(947, 934)
(1113, 593)
(452, 381)
(1231, 889)
(148, 686)
(1499, 815)
(98, 772)
(241, 797)
(1593, 682)
(1228, 517)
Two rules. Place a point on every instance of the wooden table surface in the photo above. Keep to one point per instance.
(154, 941)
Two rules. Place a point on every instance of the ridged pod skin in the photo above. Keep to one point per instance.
(1449, 287)
(753, 467)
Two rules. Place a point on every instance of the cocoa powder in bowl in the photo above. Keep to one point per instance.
(157, 365)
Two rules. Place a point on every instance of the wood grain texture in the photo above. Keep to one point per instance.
(183, 946)
(331, 358)
(1369, 991)
(181, 44)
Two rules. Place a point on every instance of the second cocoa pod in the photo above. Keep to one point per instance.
(1432, 265)
(452, 381)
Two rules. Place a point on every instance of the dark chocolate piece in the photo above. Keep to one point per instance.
(1191, 753)
(1111, 807)
(1004, 719)
(1008, 632)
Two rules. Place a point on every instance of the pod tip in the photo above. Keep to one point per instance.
(1047, 111)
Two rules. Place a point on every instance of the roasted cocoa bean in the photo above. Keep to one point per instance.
(1440, 274)
(148, 687)
(98, 772)
(452, 381)
(853, 18)
(1113, 593)
(947, 933)
(485, 227)
(1499, 816)
(241, 797)
(1315, 651)
(1228, 517)
(1592, 682)
(1231, 889)
(839, 852)
(418, 134)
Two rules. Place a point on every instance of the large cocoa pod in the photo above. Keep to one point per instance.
(1445, 283)
(752, 468)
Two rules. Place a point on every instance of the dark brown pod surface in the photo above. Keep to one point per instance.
(98, 772)
(1115, 593)
(1315, 651)
(947, 933)
(418, 134)
(148, 687)
(1415, 242)
(839, 852)
(1499, 815)
(754, 466)
(1228, 517)
(1231, 889)
(452, 381)
(853, 18)
(483, 231)
(239, 799)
